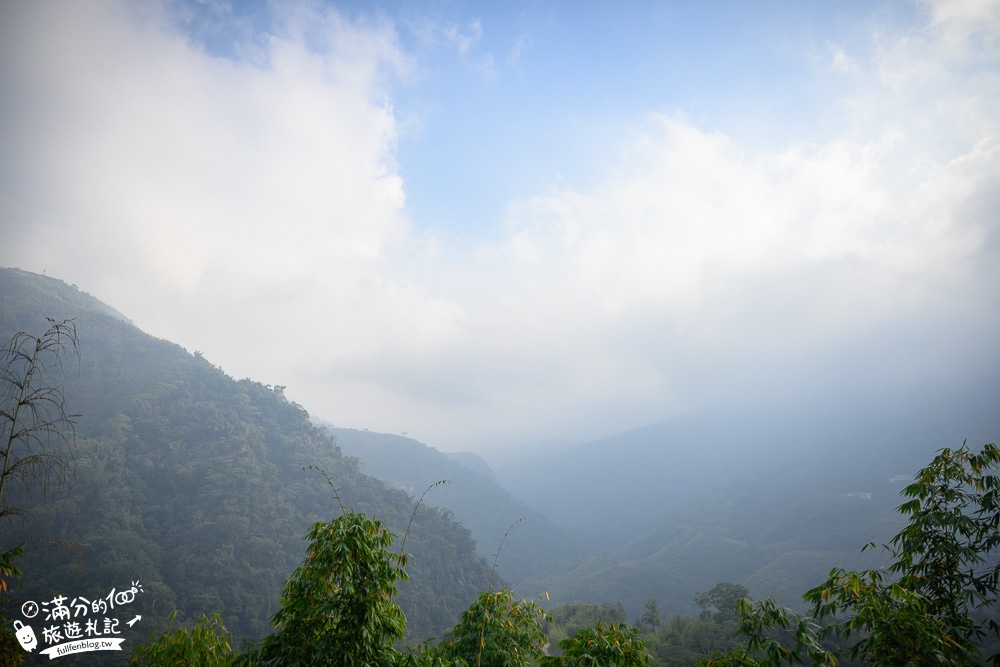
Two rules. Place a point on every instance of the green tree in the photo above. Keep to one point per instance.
(724, 598)
(497, 631)
(929, 607)
(651, 616)
(338, 607)
(207, 644)
(684, 640)
(774, 636)
(602, 645)
(11, 653)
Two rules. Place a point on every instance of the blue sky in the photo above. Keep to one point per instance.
(510, 222)
(500, 100)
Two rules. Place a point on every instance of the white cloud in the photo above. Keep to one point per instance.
(964, 26)
(516, 51)
(254, 210)
(688, 212)
(466, 40)
(841, 61)
(696, 267)
(207, 197)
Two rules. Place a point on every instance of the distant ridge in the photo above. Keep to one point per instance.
(475, 463)
(535, 547)
(19, 288)
(768, 499)
(628, 481)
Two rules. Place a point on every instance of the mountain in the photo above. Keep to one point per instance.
(621, 484)
(192, 482)
(198, 485)
(771, 500)
(475, 463)
(778, 534)
(534, 547)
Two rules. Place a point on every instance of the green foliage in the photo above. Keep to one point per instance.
(425, 656)
(724, 598)
(207, 644)
(497, 631)
(191, 481)
(338, 608)
(651, 616)
(11, 653)
(774, 636)
(476, 498)
(566, 620)
(684, 640)
(8, 567)
(927, 607)
(944, 567)
(603, 645)
(892, 622)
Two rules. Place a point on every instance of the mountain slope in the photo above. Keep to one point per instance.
(621, 484)
(795, 498)
(533, 548)
(777, 534)
(194, 484)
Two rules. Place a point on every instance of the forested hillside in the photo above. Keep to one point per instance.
(768, 499)
(202, 488)
(535, 547)
(775, 534)
(193, 483)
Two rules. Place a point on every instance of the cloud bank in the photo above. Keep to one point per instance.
(251, 206)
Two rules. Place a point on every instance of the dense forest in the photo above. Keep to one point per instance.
(198, 485)
(236, 531)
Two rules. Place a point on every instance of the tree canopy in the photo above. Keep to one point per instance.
(723, 598)
(930, 606)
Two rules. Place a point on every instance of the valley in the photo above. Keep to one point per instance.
(203, 487)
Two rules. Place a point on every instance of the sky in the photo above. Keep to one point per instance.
(492, 224)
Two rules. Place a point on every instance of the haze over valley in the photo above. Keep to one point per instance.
(672, 294)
